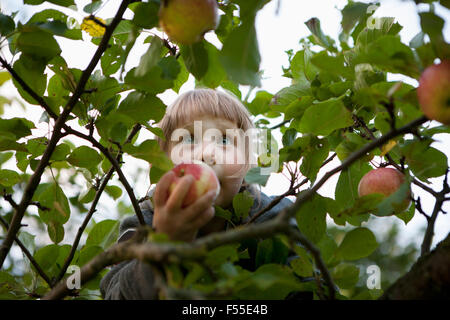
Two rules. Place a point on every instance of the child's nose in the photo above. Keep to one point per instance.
(207, 153)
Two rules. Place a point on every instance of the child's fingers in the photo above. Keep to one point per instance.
(202, 204)
(203, 218)
(179, 193)
(162, 188)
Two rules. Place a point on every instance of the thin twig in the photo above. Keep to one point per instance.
(92, 209)
(117, 168)
(28, 255)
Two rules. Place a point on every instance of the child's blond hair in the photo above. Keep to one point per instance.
(203, 102)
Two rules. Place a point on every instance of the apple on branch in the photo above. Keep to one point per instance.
(434, 92)
(205, 179)
(385, 181)
(186, 21)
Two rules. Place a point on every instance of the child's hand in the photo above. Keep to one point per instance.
(180, 223)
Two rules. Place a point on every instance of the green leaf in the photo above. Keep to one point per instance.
(324, 117)
(433, 25)
(8, 178)
(302, 265)
(5, 156)
(111, 60)
(362, 205)
(314, 154)
(311, 218)
(221, 255)
(103, 234)
(38, 44)
(55, 231)
(151, 57)
(301, 67)
(327, 247)
(64, 3)
(242, 202)
(87, 195)
(332, 64)
(60, 153)
(320, 38)
(395, 202)
(151, 82)
(351, 14)
(150, 151)
(240, 55)
(87, 253)
(407, 215)
(271, 250)
(84, 157)
(391, 55)
(270, 281)
(142, 107)
(346, 192)
(15, 128)
(195, 57)
(31, 71)
(46, 257)
(7, 25)
(170, 67)
(146, 15)
(55, 22)
(52, 197)
(358, 243)
(424, 161)
(114, 191)
(36, 147)
(216, 73)
(182, 76)
(345, 275)
(260, 103)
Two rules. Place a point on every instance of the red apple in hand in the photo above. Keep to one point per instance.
(205, 180)
(385, 181)
(434, 92)
(185, 21)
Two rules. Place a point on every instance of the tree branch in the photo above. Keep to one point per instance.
(174, 253)
(429, 232)
(429, 277)
(28, 255)
(116, 167)
(92, 209)
(36, 177)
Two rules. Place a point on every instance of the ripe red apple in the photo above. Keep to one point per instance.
(185, 21)
(385, 181)
(434, 92)
(205, 179)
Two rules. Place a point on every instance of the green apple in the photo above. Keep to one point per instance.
(186, 21)
(434, 92)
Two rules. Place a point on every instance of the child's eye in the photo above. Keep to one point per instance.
(188, 139)
(225, 140)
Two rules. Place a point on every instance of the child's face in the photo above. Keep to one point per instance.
(217, 142)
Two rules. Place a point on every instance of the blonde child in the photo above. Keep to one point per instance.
(204, 125)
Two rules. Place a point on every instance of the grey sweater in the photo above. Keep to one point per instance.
(133, 280)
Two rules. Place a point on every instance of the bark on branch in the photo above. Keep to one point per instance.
(429, 277)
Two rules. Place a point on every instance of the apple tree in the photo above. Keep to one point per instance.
(341, 117)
